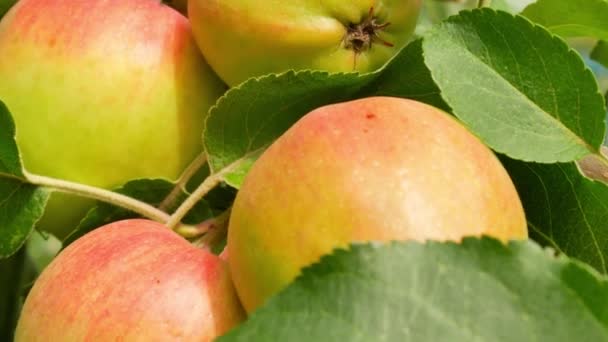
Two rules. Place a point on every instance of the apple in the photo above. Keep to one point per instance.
(246, 38)
(102, 92)
(373, 169)
(131, 280)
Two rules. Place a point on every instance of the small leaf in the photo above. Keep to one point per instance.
(151, 191)
(600, 53)
(10, 162)
(237, 171)
(564, 209)
(523, 91)
(571, 18)
(41, 249)
(481, 290)
(21, 206)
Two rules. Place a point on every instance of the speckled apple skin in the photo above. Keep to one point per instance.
(373, 169)
(132, 280)
(102, 92)
(247, 38)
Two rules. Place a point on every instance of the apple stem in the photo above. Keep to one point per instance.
(193, 231)
(217, 228)
(183, 179)
(103, 195)
(483, 3)
(207, 185)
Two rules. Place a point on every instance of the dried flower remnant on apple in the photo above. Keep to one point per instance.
(360, 37)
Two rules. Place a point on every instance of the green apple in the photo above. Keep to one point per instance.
(246, 38)
(374, 169)
(102, 92)
(131, 280)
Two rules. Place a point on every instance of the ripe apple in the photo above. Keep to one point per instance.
(245, 38)
(102, 92)
(373, 169)
(131, 280)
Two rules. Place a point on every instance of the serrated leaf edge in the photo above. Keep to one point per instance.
(556, 39)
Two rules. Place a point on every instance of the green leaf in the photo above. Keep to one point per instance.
(41, 250)
(564, 209)
(151, 191)
(21, 206)
(11, 272)
(600, 53)
(10, 162)
(571, 18)
(481, 290)
(523, 91)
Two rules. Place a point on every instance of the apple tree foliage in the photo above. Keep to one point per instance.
(515, 82)
(479, 291)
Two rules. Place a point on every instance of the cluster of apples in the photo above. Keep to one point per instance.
(105, 91)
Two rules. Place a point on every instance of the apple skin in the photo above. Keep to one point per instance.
(131, 280)
(374, 169)
(103, 92)
(246, 38)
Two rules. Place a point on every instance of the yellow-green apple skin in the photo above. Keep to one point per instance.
(374, 169)
(102, 92)
(246, 38)
(131, 280)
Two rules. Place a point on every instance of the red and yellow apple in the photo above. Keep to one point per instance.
(131, 280)
(102, 92)
(373, 169)
(246, 38)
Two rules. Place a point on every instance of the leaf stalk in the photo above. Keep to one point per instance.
(99, 194)
(207, 185)
(183, 179)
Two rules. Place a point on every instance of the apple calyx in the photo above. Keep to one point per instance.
(359, 37)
